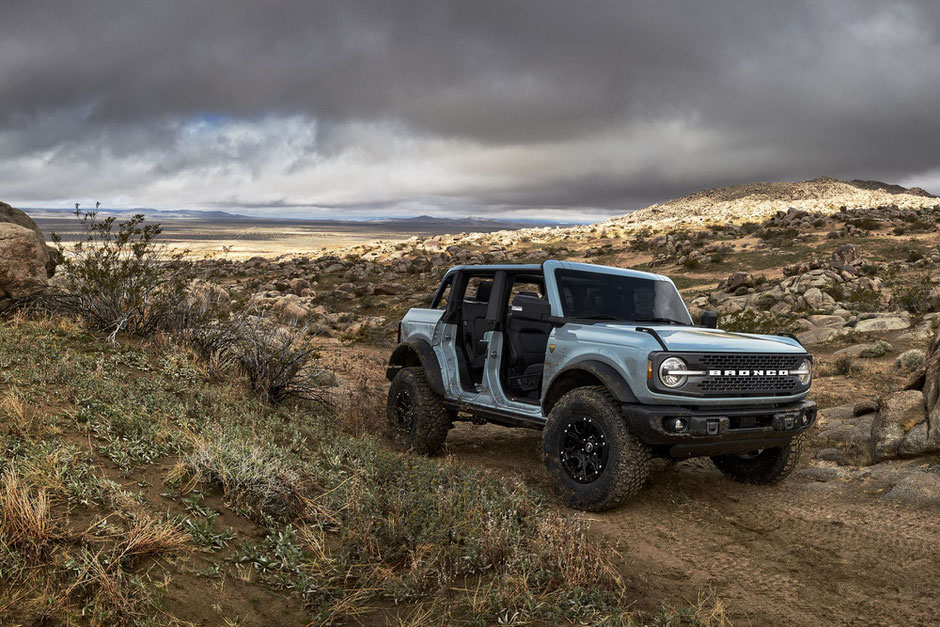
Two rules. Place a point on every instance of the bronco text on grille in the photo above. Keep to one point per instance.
(743, 374)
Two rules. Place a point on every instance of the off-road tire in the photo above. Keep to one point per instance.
(417, 418)
(626, 470)
(771, 465)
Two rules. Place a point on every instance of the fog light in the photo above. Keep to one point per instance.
(676, 425)
(805, 419)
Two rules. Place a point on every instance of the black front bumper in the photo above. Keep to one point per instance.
(718, 431)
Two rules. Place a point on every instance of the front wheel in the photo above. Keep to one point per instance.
(594, 462)
(417, 417)
(766, 466)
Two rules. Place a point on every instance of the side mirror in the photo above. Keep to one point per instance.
(530, 308)
(709, 319)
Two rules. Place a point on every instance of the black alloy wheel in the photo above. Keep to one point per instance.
(583, 449)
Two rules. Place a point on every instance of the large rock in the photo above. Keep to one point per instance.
(24, 260)
(739, 279)
(845, 434)
(900, 428)
(12, 215)
(890, 323)
(917, 488)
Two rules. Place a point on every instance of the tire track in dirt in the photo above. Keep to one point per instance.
(800, 553)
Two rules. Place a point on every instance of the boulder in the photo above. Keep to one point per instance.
(24, 261)
(207, 296)
(893, 431)
(12, 215)
(820, 320)
(346, 290)
(887, 323)
(289, 310)
(918, 488)
(297, 286)
(817, 335)
(739, 279)
(847, 431)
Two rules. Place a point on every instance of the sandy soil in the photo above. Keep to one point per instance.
(805, 552)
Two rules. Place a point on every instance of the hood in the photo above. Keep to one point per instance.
(692, 339)
(702, 340)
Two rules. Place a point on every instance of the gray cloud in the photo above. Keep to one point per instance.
(472, 107)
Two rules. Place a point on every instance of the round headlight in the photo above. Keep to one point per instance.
(667, 370)
(806, 372)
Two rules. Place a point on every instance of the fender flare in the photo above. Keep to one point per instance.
(609, 377)
(420, 351)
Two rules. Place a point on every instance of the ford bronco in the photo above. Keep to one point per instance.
(608, 363)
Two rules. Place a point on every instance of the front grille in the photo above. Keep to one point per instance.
(737, 386)
(750, 362)
(772, 385)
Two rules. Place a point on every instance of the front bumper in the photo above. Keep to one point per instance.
(719, 431)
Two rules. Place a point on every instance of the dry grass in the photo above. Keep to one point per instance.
(360, 407)
(25, 520)
(149, 538)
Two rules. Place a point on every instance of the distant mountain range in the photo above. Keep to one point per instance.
(466, 223)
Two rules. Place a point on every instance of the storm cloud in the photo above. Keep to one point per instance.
(563, 109)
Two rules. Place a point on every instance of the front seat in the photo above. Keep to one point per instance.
(527, 341)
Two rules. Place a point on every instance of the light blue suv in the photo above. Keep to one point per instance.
(608, 363)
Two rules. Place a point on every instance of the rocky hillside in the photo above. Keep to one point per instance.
(755, 202)
(736, 204)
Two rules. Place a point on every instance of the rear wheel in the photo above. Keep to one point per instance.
(595, 462)
(417, 418)
(765, 466)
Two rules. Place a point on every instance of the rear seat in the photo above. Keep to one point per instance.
(473, 321)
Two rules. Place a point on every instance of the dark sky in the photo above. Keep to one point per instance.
(541, 108)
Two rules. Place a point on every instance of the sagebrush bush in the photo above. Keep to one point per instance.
(911, 360)
(915, 297)
(118, 277)
(279, 362)
(844, 365)
(877, 349)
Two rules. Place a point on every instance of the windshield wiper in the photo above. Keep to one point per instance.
(662, 320)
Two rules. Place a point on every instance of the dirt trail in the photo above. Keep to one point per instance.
(805, 552)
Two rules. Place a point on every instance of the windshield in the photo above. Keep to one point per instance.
(599, 296)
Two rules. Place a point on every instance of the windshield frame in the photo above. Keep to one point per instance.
(662, 286)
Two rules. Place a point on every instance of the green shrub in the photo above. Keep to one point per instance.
(910, 360)
(750, 227)
(844, 365)
(915, 298)
(753, 321)
(866, 224)
(865, 299)
(878, 349)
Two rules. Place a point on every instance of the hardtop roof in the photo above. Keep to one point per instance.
(567, 265)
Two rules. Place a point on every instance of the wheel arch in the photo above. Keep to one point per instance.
(586, 373)
(417, 353)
